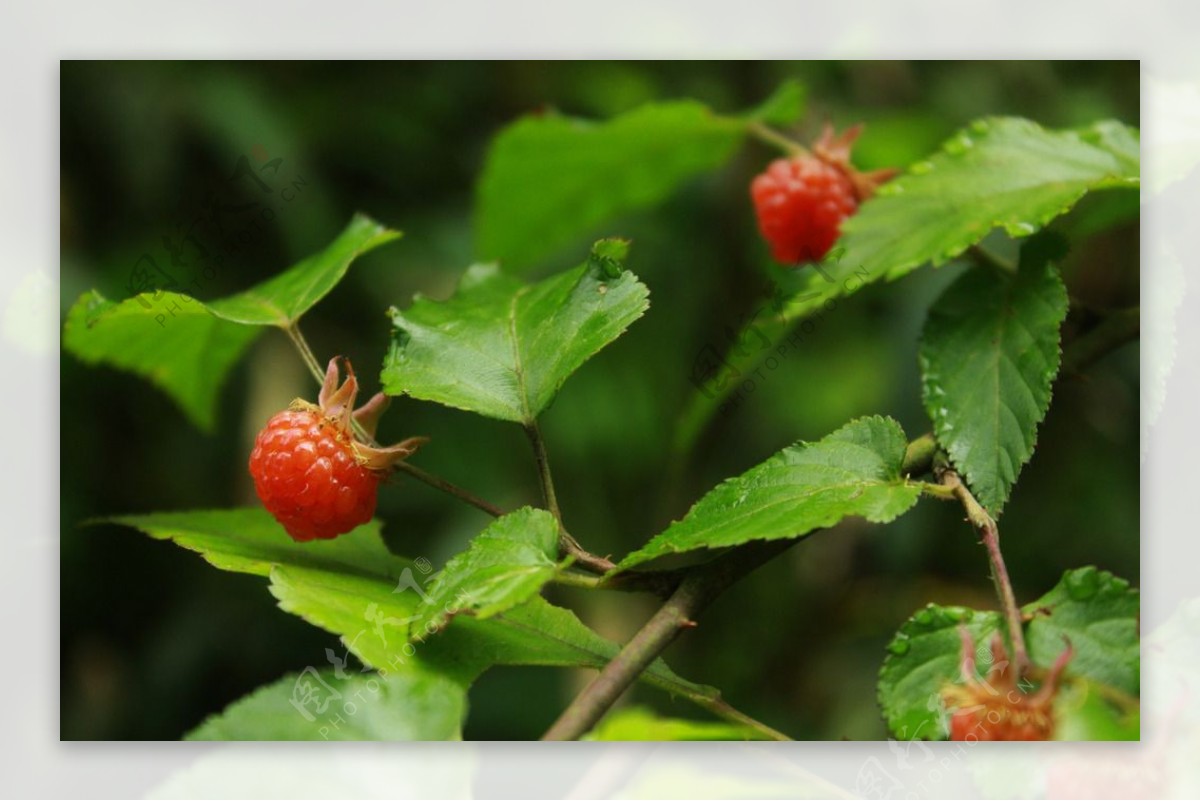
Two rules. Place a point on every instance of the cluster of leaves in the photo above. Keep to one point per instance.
(502, 348)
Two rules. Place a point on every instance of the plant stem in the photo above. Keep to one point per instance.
(700, 588)
(772, 137)
(543, 466)
(989, 535)
(306, 354)
(1112, 332)
(450, 489)
(568, 545)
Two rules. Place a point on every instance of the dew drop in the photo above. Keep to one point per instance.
(899, 646)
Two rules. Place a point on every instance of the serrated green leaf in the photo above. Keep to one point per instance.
(989, 354)
(641, 724)
(853, 472)
(354, 587)
(317, 705)
(186, 347)
(550, 179)
(506, 565)
(922, 659)
(1014, 174)
(999, 172)
(172, 341)
(502, 348)
(1098, 613)
(1098, 697)
(282, 300)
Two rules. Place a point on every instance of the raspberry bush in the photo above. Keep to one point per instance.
(994, 200)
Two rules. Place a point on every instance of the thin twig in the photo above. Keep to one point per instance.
(989, 535)
(772, 137)
(700, 588)
(306, 354)
(450, 489)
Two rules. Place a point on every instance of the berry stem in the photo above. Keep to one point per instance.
(314, 366)
(772, 137)
(450, 489)
(989, 535)
(306, 354)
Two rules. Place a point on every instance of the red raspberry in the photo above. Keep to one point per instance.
(800, 205)
(307, 476)
(801, 202)
(310, 472)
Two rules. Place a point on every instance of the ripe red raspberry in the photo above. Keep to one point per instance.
(801, 202)
(310, 472)
(999, 707)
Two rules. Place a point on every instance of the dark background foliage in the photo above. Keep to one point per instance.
(153, 639)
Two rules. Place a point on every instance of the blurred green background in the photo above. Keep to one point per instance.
(153, 639)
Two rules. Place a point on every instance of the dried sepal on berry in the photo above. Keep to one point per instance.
(336, 402)
(1001, 706)
(834, 149)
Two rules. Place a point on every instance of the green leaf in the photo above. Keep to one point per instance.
(503, 348)
(783, 107)
(1098, 613)
(172, 341)
(853, 472)
(282, 300)
(922, 659)
(550, 179)
(1084, 710)
(317, 705)
(641, 724)
(186, 347)
(251, 541)
(1002, 172)
(354, 587)
(989, 354)
(999, 172)
(506, 565)
(373, 619)
(1095, 610)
